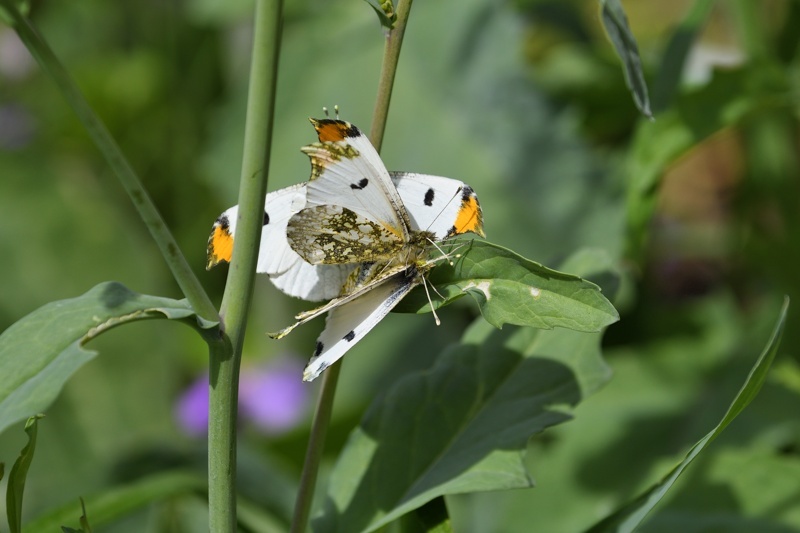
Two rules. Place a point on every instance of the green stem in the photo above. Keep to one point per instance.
(38, 47)
(322, 417)
(316, 444)
(223, 364)
(391, 56)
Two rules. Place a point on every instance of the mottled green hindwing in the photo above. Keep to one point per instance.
(332, 234)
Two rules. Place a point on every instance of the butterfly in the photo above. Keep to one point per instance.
(354, 234)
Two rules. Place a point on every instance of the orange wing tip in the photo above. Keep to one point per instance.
(334, 130)
(470, 216)
(220, 245)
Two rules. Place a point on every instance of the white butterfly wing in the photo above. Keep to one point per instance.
(442, 206)
(348, 323)
(346, 170)
(287, 270)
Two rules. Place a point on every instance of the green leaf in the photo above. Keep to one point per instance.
(462, 426)
(112, 504)
(513, 290)
(41, 351)
(385, 11)
(631, 515)
(616, 24)
(730, 98)
(680, 43)
(16, 478)
(24, 7)
(430, 518)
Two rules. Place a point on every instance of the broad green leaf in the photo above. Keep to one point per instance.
(616, 25)
(16, 478)
(42, 350)
(462, 426)
(631, 515)
(112, 504)
(513, 290)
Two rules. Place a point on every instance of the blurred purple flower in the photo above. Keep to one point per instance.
(272, 397)
(15, 60)
(192, 407)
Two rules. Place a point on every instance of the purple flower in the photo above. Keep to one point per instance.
(272, 397)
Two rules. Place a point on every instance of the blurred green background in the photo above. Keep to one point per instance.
(525, 101)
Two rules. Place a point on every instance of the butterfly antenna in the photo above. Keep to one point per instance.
(336, 110)
(444, 254)
(428, 294)
(325, 110)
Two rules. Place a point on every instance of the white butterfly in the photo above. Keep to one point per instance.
(354, 234)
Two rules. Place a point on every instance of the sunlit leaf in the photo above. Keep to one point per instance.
(631, 515)
(42, 350)
(462, 426)
(17, 476)
(616, 25)
(513, 290)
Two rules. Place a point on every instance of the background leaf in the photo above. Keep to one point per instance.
(630, 516)
(18, 475)
(40, 352)
(616, 25)
(463, 425)
(16, 478)
(513, 290)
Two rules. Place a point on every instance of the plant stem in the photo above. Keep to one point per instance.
(391, 56)
(224, 365)
(38, 47)
(316, 444)
(322, 417)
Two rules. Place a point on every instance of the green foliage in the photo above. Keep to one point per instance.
(34, 373)
(117, 502)
(463, 425)
(695, 216)
(513, 290)
(616, 24)
(18, 476)
(630, 516)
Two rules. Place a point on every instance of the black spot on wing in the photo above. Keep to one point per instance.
(452, 231)
(352, 131)
(360, 185)
(350, 336)
(318, 349)
(429, 197)
(466, 193)
(223, 222)
(266, 218)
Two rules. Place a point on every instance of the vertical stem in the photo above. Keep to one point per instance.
(316, 444)
(319, 427)
(224, 365)
(391, 56)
